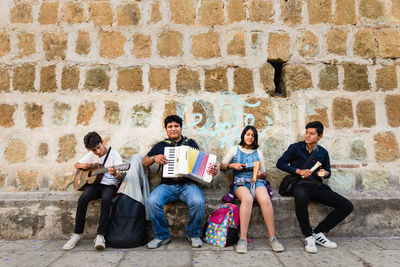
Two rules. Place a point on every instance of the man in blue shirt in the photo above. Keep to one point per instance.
(310, 187)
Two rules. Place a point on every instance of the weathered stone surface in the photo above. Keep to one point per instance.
(7, 112)
(26, 44)
(141, 45)
(295, 77)
(112, 44)
(4, 80)
(273, 148)
(66, 148)
(129, 149)
(206, 45)
(170, 108)
(392, 104)
(48, 79)
(183, 11)
(97, 78)
(394, 13)
(33, 115)
(48, 13)
(267, 73)
(112, 112)
(260, 114)
(159, 78)
(386, 147)
(364, 44)
(74, 13)
(187, 81)
(85, 113)
(128, 14)
(319, 11)
(24, 78)
(388, 43)
(386, 78)
(216, 80)
(155, 12)
(279, 46)
(372, 11)
(328, 78)
(307, 44)
(261, 11)
(342, 179)
(61, 113)
(212, 12)
(291, 12)
(28, 180)
(2, 179)
(236, 10)
(83, 43)
(101, 13)
(316, 111)
(43, 150)
(235, 44)
(256, 42)
(15, 151)
(54, 45)
(141, 115)
(4, 44)
(202, 112)
(61, 182)
(70, 78)
(170, 43)
(21, 13)
(345, 12)
(243, 80)
(336, 41)
(358, 151)
(366, 113)
(375, 179)
(130, 79)
(342, 113)
(355, 77)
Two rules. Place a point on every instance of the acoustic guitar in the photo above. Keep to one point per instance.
(94, 175)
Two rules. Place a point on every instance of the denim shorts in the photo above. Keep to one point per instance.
(248, 185)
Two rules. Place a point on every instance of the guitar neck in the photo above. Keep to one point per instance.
(99, 171)
(121, 167)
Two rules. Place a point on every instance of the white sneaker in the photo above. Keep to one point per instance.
(99, 242)
(241, 247)
(72, 242)
(321, 240)
(310, 246)
(276, 245)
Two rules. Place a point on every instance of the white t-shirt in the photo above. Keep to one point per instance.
(232, 152)
(113, 159)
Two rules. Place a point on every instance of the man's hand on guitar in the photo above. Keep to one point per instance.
(113, 172)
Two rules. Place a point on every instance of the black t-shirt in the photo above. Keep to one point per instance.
(159, 149)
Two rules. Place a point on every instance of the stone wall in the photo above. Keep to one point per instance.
(119, 67)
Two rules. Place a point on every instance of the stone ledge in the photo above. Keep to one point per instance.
(51, 215)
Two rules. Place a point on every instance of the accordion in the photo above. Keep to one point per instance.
(185, 161)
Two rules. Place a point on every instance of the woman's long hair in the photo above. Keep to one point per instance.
(254, 145)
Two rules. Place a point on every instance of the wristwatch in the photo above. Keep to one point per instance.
(154, 158)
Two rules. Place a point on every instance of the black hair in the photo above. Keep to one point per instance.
(317, 125)
(242, 143)
(92, 139)
(172, 118)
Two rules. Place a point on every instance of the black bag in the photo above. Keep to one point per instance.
(127, 224)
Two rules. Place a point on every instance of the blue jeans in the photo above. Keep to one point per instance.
(189, 193)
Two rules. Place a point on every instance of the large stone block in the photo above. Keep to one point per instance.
(187, 81)
(315, 111)
(206, 45)
(295, 77)
(386, 147)
(336, 40)
(155, 12)
(54, 45)
(273, 148)
(386, 78)
(372, 11)
(28, 180)
(33, 115)
(21, 13)
(212, 12)
(70, 78)
(394, 13)
(130, 79)
(48, 13)
(235, 44)
(4, 80)
(307, 44)
(243, 81)
(141, 115)
(5, 47)
(258, 112)
(236, 10)
(66, 148)
(203, 114)
(15, 151)
(159, 78)
(61, 113)
(358, 151)
(216, 80)
(388, 43)
(7, 112)
(112, 112)
(101, 13)
(83, 43)
(291, 12)
(129, 149)
(170, 43)
(128, 14)
(26, 44)
(345, 12)
(279, 46)
(328, 78)
(97, 78)
(48, 79)
(364, 44)
(342, 179)
(342, 112)
(261, 11)
(267, 73)
(355, 77)
(85, 113)
(74, 13)
(141, 45)
(319, 11)
(112, 44)
(170, 108)
(366, 113)
(24, 78)
(60, 182)
(375, 179)
(183, 11)
(392, 104)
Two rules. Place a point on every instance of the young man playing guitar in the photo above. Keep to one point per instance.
(105, 189)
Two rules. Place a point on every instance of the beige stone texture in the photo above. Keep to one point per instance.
(169, 108)
(61, 113)
(212, 12)
(4, 80)
(392, 104)
(295, 77)
(170, 43)
(26, 44)
(141, 115)
(61, 182)
(33, 115)
(74, 13)
(206, 45)
(2, 179)
(112, 112)
(328, 78)
(7, 112)
(48, 79)
(260, 112)
(155, 12)
(48, 13)
(112, 44)
(54, 45)
(375, 179)
(216, 80)
(319, 11)
(128, 14)
(345, 12)
(236, 10)
(291, 12)
(279, 46)
(388, 43)
(5, 47)
(97, 78)
(83, 43)
(365, 111)
(183, 11)
(243, 80)
(336, 41)
(394, 13)
(101, 13)
(15, 151)
(267, 73)
(372, 11)
(21, 13)
(28, 180)
(141, 45)
(70, 78)
(43, 150)
(24, 78)
(85, 113)
(129, 149)
(342, 113)
(307, 44)
(261, 11)
(66, 148)
(130, 79)
(365, 44)
(386, 147)
(316, 111)
(159, 78)
(187, 80)
(197, 108)
(235, 44)
(386, 78)
(355, 77)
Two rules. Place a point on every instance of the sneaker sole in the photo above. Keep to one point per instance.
(160, 244)
(190, 240)
(313, 252)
